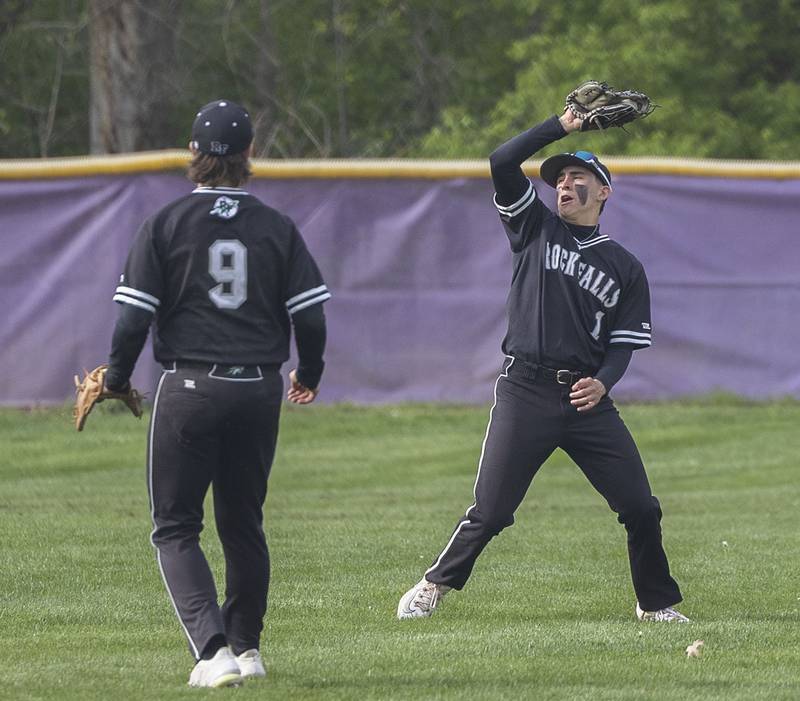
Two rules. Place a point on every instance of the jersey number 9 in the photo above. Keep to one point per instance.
(227, 264)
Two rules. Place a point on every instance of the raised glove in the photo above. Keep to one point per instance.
(92, 390)
(600, 106)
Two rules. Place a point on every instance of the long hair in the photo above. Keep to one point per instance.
(213, 171)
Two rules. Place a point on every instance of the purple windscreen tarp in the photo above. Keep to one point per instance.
(419, 271)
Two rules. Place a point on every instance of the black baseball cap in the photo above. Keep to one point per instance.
(222, 128)
(585, 159)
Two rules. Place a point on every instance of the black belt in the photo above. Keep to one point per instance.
(225, 371)
(561, 377)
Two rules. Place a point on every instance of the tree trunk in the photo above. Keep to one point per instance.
(430, 70)
(132, 62)
(340, 85)
(10, 12)
(265, 122)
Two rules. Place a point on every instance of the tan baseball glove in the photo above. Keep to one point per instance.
(600, 106)
(93, 391)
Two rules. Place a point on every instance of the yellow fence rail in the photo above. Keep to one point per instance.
(160, 161)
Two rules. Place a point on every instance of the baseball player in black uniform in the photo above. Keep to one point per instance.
(225, 278)
(579, 306)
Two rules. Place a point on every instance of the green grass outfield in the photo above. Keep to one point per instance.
(361, 499)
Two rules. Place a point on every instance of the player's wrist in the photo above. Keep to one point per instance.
(569, 122)
(309, 376)
(115, 382)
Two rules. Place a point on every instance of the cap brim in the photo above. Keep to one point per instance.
(555, 164)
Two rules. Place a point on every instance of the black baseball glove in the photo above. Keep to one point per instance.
(600, 106)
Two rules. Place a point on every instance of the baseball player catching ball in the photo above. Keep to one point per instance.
(579, 306)
(224, 277)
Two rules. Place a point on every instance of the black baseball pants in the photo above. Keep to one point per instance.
(531, 417)
(214, 426)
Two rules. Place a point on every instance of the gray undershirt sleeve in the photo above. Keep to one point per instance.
(310, 336)
(614, 365)
(130, 333)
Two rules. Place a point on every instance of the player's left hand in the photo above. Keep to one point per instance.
(298, 393)
(586, 393)
(93, 390)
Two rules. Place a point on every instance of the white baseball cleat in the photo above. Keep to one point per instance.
(421, 599)
(250, 664)
(667, 615)
(221, 670)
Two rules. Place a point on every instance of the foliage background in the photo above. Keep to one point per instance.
(408, 78)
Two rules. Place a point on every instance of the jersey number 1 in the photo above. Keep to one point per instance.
(227, 264)
(599, 320)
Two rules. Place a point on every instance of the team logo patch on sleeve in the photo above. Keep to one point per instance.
(225, 207)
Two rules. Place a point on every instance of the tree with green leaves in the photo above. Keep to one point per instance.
(396, 78)
(726, 74)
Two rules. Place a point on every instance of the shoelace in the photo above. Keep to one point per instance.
(428, 597)
(669, 614)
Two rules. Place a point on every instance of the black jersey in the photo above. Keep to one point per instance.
(222, 272)
(571, 298)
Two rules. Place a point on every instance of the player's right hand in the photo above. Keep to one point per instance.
(586, 393)
(298, 393)
(569, 121)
